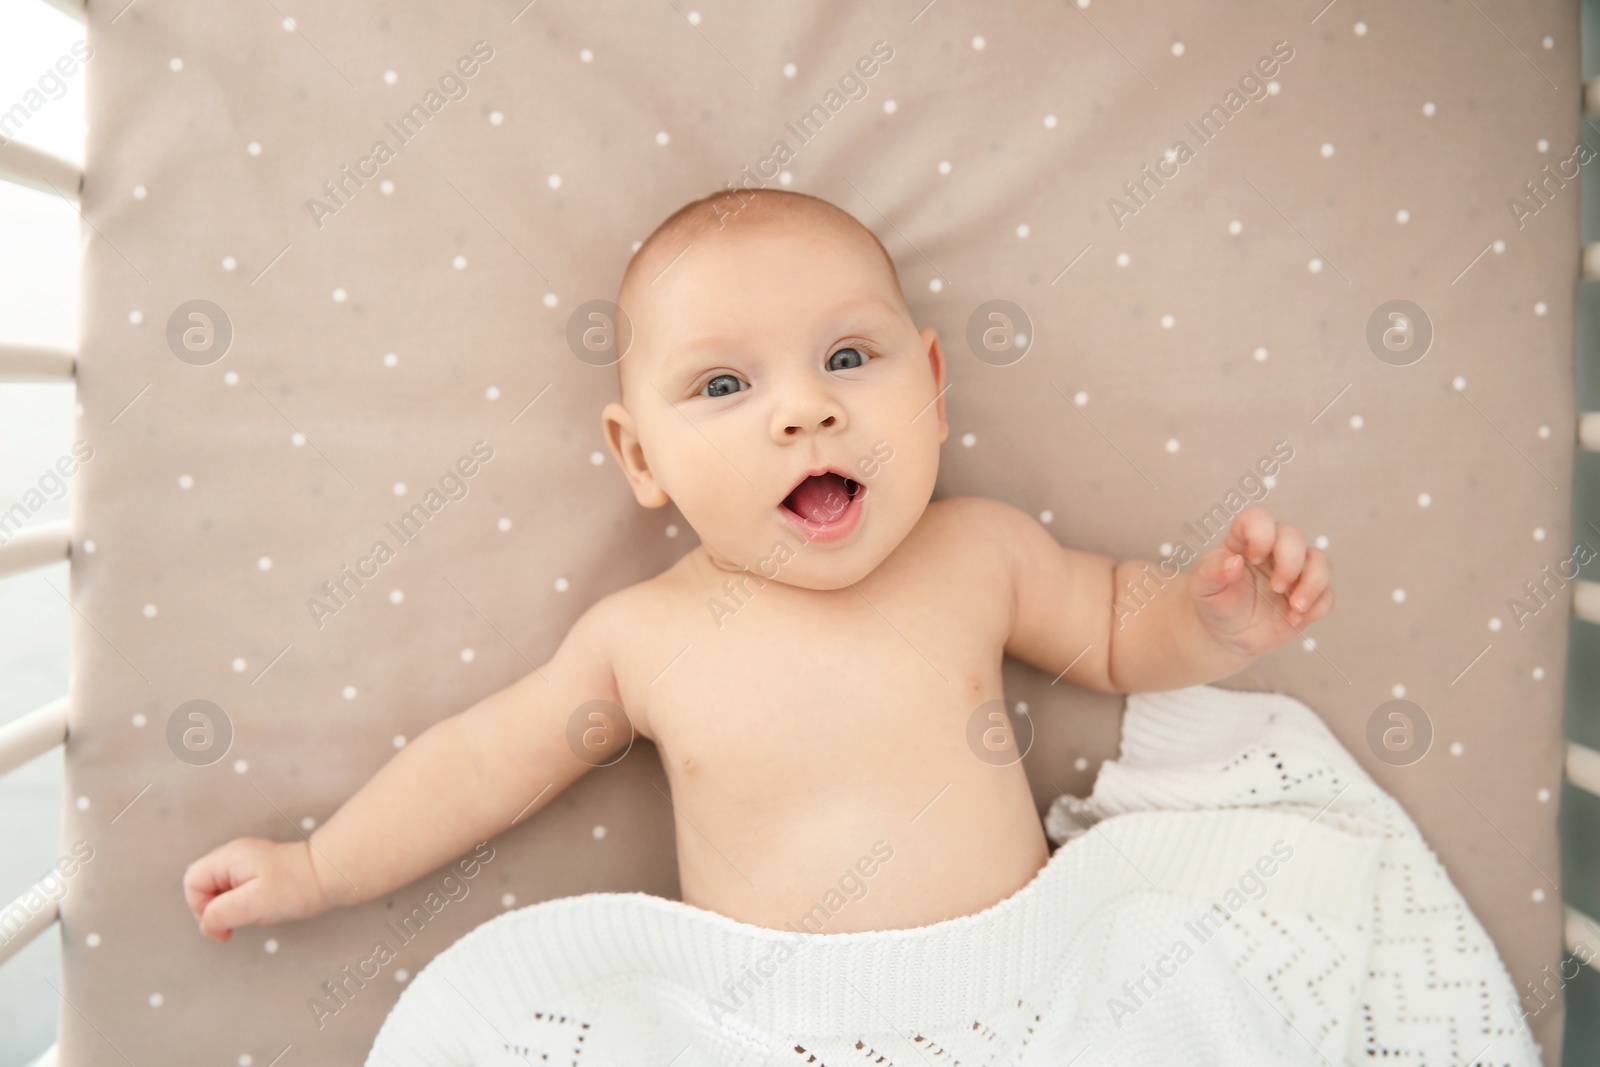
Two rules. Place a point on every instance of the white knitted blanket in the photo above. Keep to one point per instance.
(1235, 890)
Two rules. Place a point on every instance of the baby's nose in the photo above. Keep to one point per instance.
(829, 421)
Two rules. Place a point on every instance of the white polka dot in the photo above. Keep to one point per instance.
(672, 529)
(1047, 517)
(1177, 48)
(254, 148)
(339, 296)
(1172, 444)
(156, 1000)
(185, 482)
(1080, 398)
(694, 18)
(1165, 549)
(386, 187)
(1542, 145)
(88, 546)
(308, 823)
(140, 192)
(1538, 533)
(1544, 796)
(1399, 596)
(586, 55)
(401, 975)
(1402, 216)
(935, 285)
(390, 359)
(459, 263)
(1459, 383)
(298, 439)
(399, 488)
(507, 900)
(1356, 422)
(265, 563)
(1269, 481)
(889, 107)
(1083, 3)
(396, 596)
(93, 940)
(238, 665)
(467, 655)
(977, 44)
(662, 137)
(1538, 896)
(136, 316)
(83, 803)
(1167, 322)
(1327, 150)
(554, 181)
(398, 741)
(785, 178)
(1398, 691)
(139, 719)
(1538, 674)
(1309, 644)
(496, 118)
(240, 766)
(1123, 259)
(1429, 109)
(1424, 499)
(1022, 230)
(288, 25)
(1495, 623)
(1315, 265)
(562, 585)
(1273, 88)
(598, 833)
(390, 77)
(504, 525)
(1050, 122)
(1236, 227)
(1321, 542)
(493, 392)
(175, 64)
(269, 946)
(597, 458)
(551, 300)
(789, 70)
(1540, 308)
(1080, 763)
(229, 263)
(1261, 355)
(1361, 29)
(1499, 246)
(1456, 748)
(348, 692)
(969, 439)
(149, 611)
(944, 166)
(1548, 42)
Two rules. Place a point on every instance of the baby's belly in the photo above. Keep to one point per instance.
(912, 843)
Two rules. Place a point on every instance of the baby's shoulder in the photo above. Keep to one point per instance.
(980, 518)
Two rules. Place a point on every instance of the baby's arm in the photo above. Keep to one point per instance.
(1139, 626)
(461, 781)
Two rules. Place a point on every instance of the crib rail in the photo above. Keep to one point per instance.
(22, 165)
(20, 923)
(36, 547)
(33, 363)
(71, 8)
(33, 735)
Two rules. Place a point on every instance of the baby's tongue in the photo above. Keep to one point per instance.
(820, 498)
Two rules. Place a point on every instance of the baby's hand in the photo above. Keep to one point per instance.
(252, 880)
(1259, 614)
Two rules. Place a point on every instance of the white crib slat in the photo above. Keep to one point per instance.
(1583, 767)
(70, 8)
(20, 924)
(30, 363)
(29, 166)
(49, 1058)
(1591, 261)
(1589, 430)
(1586, 600)
(32, 735)
(39, 546)
(1579, 929)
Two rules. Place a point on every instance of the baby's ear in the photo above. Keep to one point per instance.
(616, 423)
(930, 341)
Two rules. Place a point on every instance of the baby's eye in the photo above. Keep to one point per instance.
(860, 357)
(728, 384)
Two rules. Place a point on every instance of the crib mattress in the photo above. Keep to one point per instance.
(385, 217)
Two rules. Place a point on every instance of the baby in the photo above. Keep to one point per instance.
(811, 673)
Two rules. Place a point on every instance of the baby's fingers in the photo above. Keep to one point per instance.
(1288, 557)
(1313, 581)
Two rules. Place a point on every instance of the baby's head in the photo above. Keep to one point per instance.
(770, 340)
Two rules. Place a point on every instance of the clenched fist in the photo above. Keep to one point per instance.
(1254, 608)
(251, 880)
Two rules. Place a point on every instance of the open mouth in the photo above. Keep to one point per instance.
(823, 503)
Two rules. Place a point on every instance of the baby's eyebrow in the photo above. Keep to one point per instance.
(701, 345)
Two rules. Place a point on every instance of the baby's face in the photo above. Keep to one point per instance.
(764, 355)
